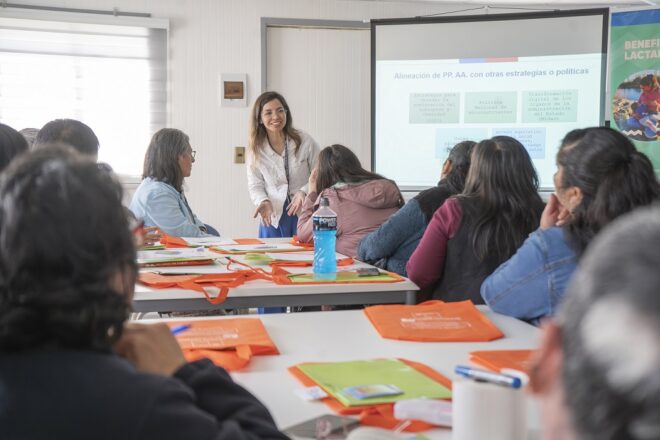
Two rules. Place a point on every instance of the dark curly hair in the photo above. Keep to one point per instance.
(613, 176)
(67, 259)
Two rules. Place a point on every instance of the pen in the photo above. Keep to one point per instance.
(487, 376)
(180, 328)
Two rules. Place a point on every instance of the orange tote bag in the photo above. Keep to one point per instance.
(229, 343)
(433, 321)
(170, 241)
(497, 360)
(223, 281)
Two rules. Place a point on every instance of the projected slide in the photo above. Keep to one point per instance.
(426, 106)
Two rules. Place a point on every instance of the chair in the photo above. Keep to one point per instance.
(211, 230)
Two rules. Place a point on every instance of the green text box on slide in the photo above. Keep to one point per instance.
(490, 107)
(434, 108)
(549, 106)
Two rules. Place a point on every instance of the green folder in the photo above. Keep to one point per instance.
(153, 247)
(333, 377)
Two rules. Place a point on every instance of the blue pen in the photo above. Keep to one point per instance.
(180, 328)
(487, 376)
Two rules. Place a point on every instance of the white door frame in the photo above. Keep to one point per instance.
(267, 22)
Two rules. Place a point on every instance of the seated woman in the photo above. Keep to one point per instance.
(600, 176)
(474, 232)
(391, 245)
(65, 294)
(159, 200)
(361, 199)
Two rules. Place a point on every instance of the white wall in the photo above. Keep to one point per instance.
(207, 38)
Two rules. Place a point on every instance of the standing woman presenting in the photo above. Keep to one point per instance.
(280, 160)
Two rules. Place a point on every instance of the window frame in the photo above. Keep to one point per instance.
(129, 181)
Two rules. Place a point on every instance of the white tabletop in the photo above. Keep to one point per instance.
(262, 293)
(348, 335)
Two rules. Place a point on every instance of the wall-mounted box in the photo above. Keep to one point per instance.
(233, 90)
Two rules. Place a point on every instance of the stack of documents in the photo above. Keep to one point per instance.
(175, 257)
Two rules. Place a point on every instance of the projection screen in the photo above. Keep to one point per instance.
(438, 81)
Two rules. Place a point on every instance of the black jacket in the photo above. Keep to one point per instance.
(89, 395)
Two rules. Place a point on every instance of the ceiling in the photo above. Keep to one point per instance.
(527, 3)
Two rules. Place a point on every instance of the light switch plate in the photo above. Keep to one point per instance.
(239, 154)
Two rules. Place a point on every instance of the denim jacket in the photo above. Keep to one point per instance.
(531, 284)
(396, 239)
(160, 204)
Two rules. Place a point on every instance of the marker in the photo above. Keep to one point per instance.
(180, 328)
(487, 376)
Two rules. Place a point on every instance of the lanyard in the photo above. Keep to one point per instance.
(286, 164)
(286, 161)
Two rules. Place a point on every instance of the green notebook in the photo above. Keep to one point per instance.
(333, 377)
(155, 247)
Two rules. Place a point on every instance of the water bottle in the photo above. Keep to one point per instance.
(324, 222)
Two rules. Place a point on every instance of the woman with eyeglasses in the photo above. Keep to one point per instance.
(280, 160)
(159, 200)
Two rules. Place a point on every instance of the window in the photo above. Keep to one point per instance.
(112, 77)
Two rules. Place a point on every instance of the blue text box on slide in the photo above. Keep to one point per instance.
(446, 138)
(533, 138)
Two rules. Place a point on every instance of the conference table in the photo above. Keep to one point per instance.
(263, 293)
(348, 335)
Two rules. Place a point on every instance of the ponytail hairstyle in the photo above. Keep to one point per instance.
(338, 164)
(460, 164)
(613, 176)
(431, 199)
(501, 196)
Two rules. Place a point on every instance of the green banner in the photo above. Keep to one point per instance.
(634, 76)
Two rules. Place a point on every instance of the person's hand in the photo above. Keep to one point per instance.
(312, 180)
(264, 210)
(564, 216)
(150, 236)
(295, 206)
(151, 348)
(554, 214)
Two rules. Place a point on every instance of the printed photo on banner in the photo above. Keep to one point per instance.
(634, 79)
